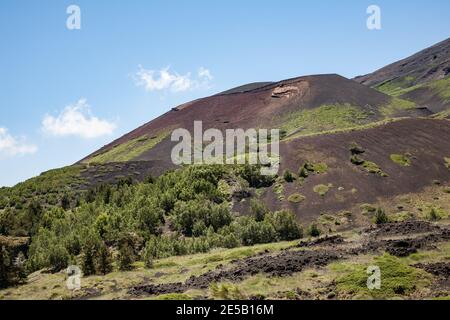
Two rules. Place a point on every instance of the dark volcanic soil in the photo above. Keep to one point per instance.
(429, 64)
(427, 141)
(414, 235)
(282, 264)
(402, 229)
(440, 269)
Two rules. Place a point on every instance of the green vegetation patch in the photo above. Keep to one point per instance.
(129, 150)
(400, 87)
(397, 278)
(320, 167)
(296, 198)
(321, 189)
(48, 188)
(395, 106)
(396, 87)
(442, 88)
(226, 291)
(174, 296)
(324, 118)
(447, 162)
(401, 159)
(372, 167)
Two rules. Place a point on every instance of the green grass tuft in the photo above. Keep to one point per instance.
(401, 159)
(321, 189)
(397, 278)
(447, 162)
(174, 296)
(372, 167)
(296, 198)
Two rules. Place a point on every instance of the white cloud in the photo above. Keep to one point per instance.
(77, 120)
(12, 146)
(165, 79)
(205, 74)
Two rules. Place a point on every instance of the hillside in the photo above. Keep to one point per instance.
(364, 181)
(332, 101)
(423, 78)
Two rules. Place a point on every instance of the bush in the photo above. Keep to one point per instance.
(58, 258)
(226, 292)
(258, 209)
(252, 232)
(433, 215)
(149, 217)
(126, 255)
(285, 225)
(89, 251)
(303, 172)
(381, 217)
(104, 260)
(148, 255)
(11, 268)
(313, 230)
(287, 176)
(46, 251)
(202, 214)
(230, 241)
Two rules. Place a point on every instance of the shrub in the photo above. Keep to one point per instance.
(230, 241)
(356, 149)
(11, 268)
(226, 291)
(285, 225)
(287, 176)
(148, 255)
(126, 255)
(89, 251)
(381, 217)
(104, 260)
(58, 258)
(372, 167)
(356, 160)
(433, 215)
(258, 209)
(252, 232)
(401, 159)
(201, 212)
(313, 230)
(149, 217)
(303, 172)
(46, 251)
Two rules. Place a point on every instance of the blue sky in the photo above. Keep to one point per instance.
(105, 79)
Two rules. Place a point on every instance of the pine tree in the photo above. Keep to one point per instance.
(104, 260)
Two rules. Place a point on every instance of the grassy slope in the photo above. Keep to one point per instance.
(129, 150)
(400, 87)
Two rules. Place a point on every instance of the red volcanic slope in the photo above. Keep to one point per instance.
(259, 105)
